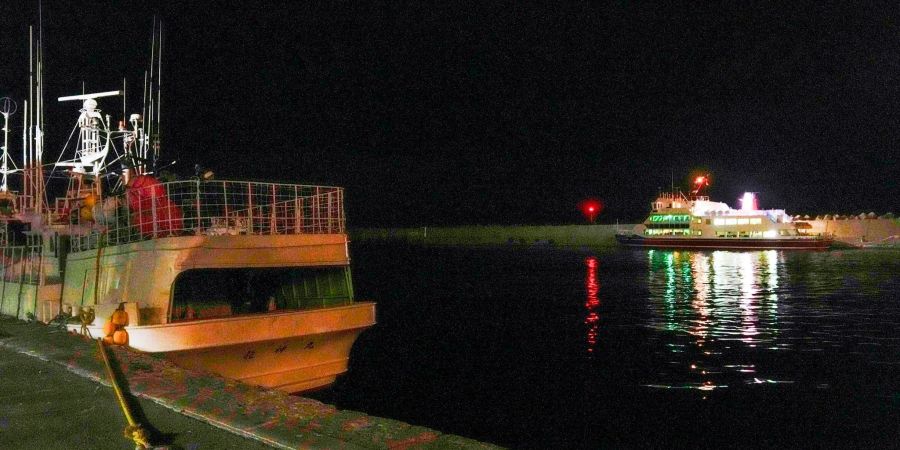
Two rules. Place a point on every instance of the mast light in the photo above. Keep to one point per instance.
(748, 202)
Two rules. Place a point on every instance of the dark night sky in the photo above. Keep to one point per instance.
(497, 112)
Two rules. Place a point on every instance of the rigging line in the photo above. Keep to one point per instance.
(118, 157)
(13, 162)
(61, 153)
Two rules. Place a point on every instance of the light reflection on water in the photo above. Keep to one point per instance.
(714, 302)
(623, 348)
(722, 295)
(592, 287)
(719, 315)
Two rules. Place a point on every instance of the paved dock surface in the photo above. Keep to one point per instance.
(54, 394)
(44, 406)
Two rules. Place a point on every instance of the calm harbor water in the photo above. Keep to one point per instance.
(577, 348)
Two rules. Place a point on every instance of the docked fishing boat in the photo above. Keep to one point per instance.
(694, 221)
(248, 280)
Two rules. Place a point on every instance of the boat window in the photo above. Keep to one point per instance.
(213, 293)
(7, 206)
(15, 233)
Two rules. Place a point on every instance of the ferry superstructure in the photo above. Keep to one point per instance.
(694, 221)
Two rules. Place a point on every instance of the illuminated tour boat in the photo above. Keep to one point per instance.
(694, 222)
(245, 279)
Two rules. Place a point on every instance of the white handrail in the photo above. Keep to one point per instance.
(194, 207)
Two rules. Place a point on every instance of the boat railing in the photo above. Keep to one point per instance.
(675, 195)
(20, 264)
(212, 208)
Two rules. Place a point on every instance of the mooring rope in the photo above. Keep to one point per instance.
(134, 430)
(101, 243)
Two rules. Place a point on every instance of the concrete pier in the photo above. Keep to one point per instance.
(858, 231)
(55, 393)
(45, 406)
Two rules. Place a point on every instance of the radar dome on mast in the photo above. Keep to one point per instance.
(93, 138)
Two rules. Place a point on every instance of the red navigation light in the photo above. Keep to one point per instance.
(590, 208)
(699, 183)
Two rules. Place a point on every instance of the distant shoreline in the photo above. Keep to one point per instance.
(854, 232)
(531, 235)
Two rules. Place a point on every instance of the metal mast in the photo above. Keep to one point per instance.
(93, 137)
(7, 108)
(33, 136)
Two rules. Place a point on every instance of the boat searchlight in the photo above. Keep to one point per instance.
(748, 202)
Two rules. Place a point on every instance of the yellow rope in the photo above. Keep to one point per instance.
(87, 320)
(133, 431)
(100, 246)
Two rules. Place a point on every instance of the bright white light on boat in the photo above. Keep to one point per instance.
(748, 202)
(769, 233)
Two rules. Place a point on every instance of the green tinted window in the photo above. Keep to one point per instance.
(670, 218)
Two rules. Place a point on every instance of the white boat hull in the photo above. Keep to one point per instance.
(290, 351)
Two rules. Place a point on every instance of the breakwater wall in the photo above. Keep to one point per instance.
(853, 231)
(562, 235)
(858, 231)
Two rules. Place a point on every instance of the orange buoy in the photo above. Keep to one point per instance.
(119, 316)
(86, 214)
(120, 337)
(109, 328)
